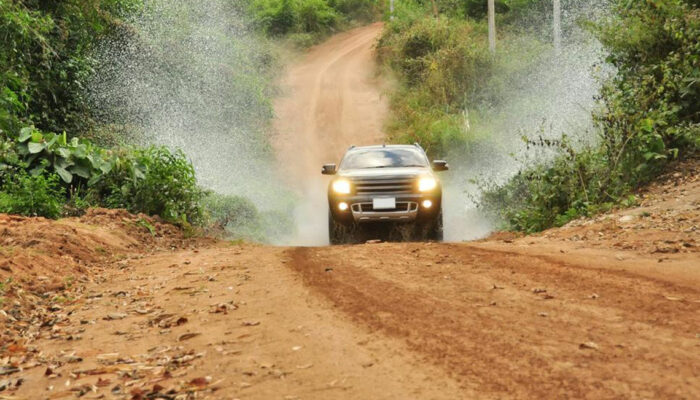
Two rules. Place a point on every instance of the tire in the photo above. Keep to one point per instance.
(435, 231)
(339, 233)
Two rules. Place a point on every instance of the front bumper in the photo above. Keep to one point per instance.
(409, 208)
(404, 212)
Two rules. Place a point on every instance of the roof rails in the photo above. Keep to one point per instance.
(352, 146)
(418, 145)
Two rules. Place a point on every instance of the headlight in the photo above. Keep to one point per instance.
(341, 186)
(426, 184)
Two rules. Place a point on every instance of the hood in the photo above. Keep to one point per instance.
(385, 172)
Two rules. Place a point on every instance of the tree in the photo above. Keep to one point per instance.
(492, 26)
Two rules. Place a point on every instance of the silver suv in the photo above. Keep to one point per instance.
(384, 186)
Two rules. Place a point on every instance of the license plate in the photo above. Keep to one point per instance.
(384, 203)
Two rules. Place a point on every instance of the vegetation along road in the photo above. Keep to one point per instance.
(117, 305)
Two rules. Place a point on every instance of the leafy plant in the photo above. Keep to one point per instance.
(303, 19)
(649, 116)
(72, 160)
(154, 181)
(444, 67)
(32, 195)
(45, 60)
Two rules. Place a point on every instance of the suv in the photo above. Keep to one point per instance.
(377, 186)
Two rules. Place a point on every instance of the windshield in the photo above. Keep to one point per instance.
(383, 158)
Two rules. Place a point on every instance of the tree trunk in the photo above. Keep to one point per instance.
(492, 26)
(557, 25)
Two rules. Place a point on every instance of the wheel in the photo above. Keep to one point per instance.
(339, 233)
(435, 232)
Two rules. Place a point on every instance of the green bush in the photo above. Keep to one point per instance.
(229, 212)
(153, 181)
(358, 10)
(29, 195)
(238, 218)
(650, 115)
(651, 110)
(304, 19)
(77, 161)
(280, 17)
(445, 70)
(45, 60)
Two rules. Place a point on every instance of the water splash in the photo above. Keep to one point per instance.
(557, 98)
(194, 76)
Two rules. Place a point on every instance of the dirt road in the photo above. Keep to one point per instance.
(112, 305)
(332, 99)
(534, 317)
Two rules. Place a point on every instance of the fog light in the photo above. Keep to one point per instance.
(427, 203)
(342, 206)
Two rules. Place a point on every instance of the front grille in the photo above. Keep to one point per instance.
(400, 206)
(385, 185)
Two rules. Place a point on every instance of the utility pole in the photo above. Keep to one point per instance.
(492, 26)
(391, 9)
(557, 25)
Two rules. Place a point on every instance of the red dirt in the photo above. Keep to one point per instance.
(98, 307)
(37, 251)
(507, 317)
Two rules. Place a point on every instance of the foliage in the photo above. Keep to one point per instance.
(445, 70)
(302, 19)
(651, 110)
(45, 62)
(649, 117)
(32, 195)
(76, 161)
(236, 216)
(153, 181)
(229, 211)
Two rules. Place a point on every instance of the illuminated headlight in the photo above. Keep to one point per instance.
(426, 184)
(341, 186)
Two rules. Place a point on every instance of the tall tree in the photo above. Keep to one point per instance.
(492, 26)
(556, 5)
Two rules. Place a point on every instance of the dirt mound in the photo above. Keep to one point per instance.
(666, 221)
(45, 266)
(41, 253)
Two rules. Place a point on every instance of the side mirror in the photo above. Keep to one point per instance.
(328, 169)
(440, 165)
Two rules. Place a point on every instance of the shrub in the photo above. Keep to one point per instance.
(650, 115)
(45, 60)
(310, 17)
(238, 218)
(153, 181)
(316, 16)
(229, 212)
(358, 10)
(651, 110)
(32, 195)
(77, 161)
(445, 70)
(275, 17)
